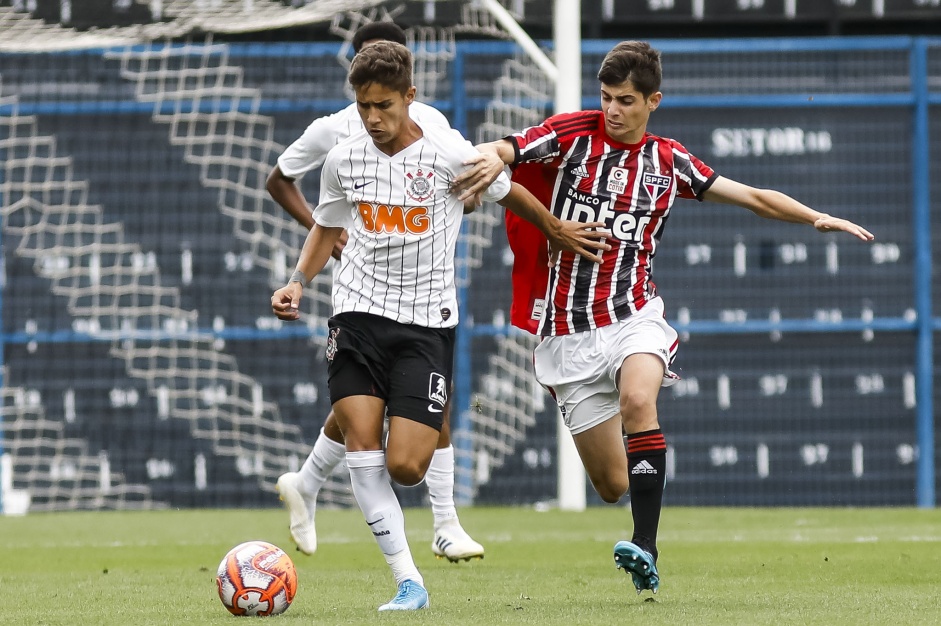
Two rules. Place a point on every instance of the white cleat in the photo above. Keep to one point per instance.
(454, 544)
(302, 509)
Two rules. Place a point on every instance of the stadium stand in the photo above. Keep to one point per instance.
(601, 18)
(140, 250)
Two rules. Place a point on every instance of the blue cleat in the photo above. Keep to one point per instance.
(411, 597)
(639, 563)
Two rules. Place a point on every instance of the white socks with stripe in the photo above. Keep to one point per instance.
(372, 488)
(440, 481)
(320, 463)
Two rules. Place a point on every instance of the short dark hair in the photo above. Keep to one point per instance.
(384, 62)
(386, 31)
(635, 61)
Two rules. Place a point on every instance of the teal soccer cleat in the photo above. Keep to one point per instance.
(411, 597)
(639, 563)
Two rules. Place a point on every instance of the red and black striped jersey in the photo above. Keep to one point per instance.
(629, 187)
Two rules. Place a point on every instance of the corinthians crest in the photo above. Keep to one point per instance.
(418, 185)
(332, 343)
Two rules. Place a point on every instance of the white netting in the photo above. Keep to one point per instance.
(509, 397)
(177, 18)
(203, 101)
(47, 212)
(52, 472)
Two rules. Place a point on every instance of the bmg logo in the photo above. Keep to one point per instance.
(394, 219)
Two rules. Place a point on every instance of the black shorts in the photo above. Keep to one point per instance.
(408, 366)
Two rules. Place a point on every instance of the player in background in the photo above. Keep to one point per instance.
(299, 490)
(606, 346)
(391, 337)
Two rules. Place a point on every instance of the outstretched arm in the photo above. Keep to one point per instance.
(583, 239)
(314, 255)
(484, 168)
(775, 205)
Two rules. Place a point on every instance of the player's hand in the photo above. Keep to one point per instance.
(484, 169)
(339, 245)
(828, 224)
(585, 239)
(286, 300)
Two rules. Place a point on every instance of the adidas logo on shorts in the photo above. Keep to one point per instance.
(643, 468)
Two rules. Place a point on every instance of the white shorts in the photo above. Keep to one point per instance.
(581, 370)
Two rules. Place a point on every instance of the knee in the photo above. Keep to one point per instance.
(637, 405)
(407, 473)
(611, 488)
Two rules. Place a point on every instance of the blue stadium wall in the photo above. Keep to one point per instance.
(803, 354)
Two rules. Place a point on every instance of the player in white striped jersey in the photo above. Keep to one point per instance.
(299, 490)
(606, 345)
(391, 337)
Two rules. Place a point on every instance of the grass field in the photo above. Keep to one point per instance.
(718, 566)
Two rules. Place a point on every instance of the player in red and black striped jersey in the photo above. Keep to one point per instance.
(606, 347)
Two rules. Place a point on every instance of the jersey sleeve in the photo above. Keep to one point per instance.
(498, 189)
(536, 143)
(461, 151)
(553, 137)
(310, 149)
(334, 208)
(693, 177)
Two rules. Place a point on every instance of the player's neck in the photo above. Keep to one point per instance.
(411, 133)
(631, 138)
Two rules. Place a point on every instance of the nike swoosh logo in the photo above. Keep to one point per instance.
(376, 522)
(432, 408)
(361, 185)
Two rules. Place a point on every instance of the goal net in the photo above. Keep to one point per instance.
(137, 226)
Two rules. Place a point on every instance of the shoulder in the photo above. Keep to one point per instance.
(427, 114)
(345, 147)
(665, 143)
(449, 146)
(444, 139)
(335, 121)
(575, 122)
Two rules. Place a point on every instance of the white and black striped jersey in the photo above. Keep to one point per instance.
(403, 224)
(310, 149)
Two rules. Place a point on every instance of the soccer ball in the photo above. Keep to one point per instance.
(256, 578)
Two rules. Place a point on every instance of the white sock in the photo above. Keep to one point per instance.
(372, 488)
(440, 481)
(320, 463)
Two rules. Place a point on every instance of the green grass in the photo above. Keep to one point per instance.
(718, 566)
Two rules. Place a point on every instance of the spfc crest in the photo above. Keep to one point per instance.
(418, 185)
(655, 184)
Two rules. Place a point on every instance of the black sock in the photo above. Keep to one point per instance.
(646, 466)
